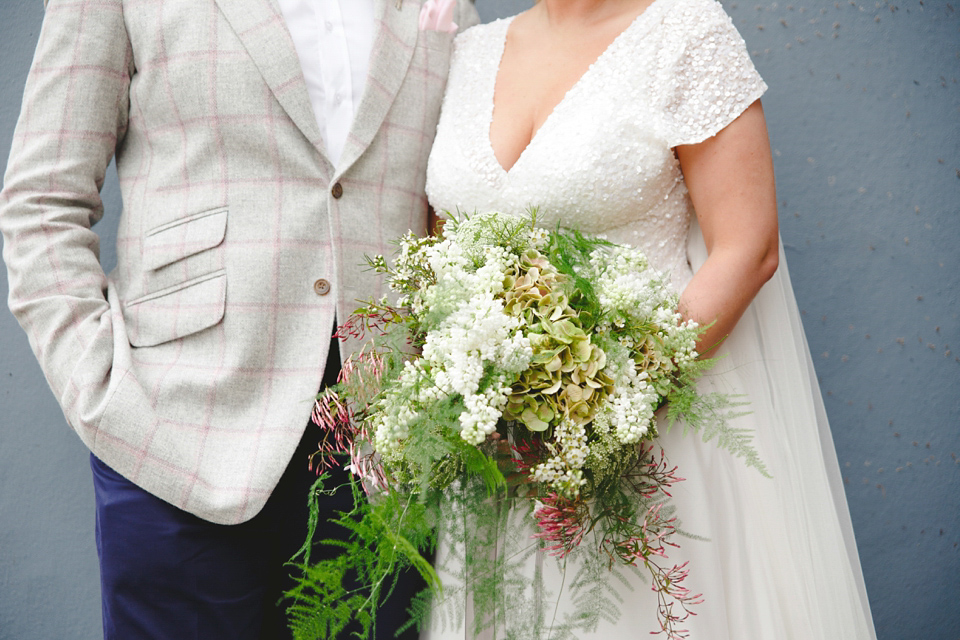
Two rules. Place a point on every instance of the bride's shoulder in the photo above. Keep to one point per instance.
(481, 35)
(694, 18)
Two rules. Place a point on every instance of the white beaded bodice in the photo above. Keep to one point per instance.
(603, 160)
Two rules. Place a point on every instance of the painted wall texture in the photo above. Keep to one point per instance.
(864, 118)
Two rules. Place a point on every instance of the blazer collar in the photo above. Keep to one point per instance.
(396, 38)
(261, 28)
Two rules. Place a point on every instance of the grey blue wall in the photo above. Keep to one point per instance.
(864, 118)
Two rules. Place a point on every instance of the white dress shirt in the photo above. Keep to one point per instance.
(333, 39)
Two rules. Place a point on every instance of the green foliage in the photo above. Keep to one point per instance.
(569, 251)
(491, 566)
(488, 551)
(385, 537)
(710, 415)
(478, 230)
(594, 590)
(387, 534)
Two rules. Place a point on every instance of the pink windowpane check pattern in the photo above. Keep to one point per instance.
(192, 368)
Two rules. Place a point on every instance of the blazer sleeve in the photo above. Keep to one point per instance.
(467, 15)
(74, 114)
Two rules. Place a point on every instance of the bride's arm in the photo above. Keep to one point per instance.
(731, 183)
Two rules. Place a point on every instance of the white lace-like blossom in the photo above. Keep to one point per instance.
(390, 427)
(632, 407)
(625, 282)
(563, 471)
(632, 290)
(477, 335)
(474, 336)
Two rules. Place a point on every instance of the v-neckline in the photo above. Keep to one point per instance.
(504, 172)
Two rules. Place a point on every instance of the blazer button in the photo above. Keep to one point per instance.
(337, 190)
(321, 287)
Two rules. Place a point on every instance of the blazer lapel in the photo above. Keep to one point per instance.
(261, 28)
(393, 47)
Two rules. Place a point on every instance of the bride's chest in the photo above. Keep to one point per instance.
(597, 163)
(599, 160)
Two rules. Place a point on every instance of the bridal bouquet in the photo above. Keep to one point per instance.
(519, 368)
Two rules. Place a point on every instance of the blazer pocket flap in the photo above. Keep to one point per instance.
(184, 237)
(176, 312)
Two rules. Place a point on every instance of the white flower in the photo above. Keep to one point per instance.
(564, 470)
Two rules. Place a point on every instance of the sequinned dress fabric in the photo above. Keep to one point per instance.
(774, 558)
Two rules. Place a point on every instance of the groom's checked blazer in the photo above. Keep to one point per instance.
(191, 368)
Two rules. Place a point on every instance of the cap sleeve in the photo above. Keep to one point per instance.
(708, 73)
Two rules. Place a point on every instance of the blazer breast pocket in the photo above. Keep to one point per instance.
(429, 68)
(432, 40)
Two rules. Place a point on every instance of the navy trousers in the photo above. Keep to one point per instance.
(166, 574)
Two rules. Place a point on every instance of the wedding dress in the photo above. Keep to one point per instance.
(775, 558)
